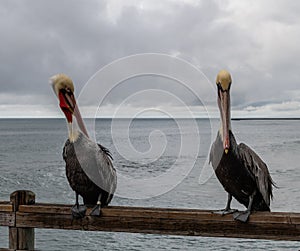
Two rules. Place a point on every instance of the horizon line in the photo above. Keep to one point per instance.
(153, 117)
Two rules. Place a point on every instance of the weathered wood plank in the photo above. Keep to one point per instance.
(7, 249)
(194, 222)
(5, 206)
(46, 208)
(262, 225)
(121, 211)
(7, 219)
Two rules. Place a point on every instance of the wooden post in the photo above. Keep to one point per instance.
(21, 238)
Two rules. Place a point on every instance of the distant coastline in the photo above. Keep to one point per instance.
(147, 118)
(265, 119)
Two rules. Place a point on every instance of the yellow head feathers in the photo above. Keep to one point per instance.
(224, 79)
(61, 81)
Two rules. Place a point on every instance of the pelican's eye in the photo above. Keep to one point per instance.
(68, 90)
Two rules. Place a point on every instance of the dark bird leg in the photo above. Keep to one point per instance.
(78, 211)
(244, 215)
(227, 209)
(96, 211)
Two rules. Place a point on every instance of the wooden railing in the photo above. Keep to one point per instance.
(22, 215)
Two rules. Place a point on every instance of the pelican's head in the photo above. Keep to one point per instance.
(223, 82)
(64, 89)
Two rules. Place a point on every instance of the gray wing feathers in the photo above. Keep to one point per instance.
(212, 158)
(259, 170)
(216, 153)
(96, 164)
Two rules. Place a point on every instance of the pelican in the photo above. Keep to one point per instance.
(239, 169)
(89, 168)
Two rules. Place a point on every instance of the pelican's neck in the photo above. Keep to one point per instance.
(221, 126)
(73, 132)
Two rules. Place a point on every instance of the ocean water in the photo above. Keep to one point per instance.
(31, 158)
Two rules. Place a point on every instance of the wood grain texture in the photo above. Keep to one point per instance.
(7, 219)
(21, 237)
(7, 249)
(193, 222)
(23, 215)
(5, 206)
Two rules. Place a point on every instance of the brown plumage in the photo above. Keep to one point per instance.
(242, 173)
(239, 169)
(80, 182)
(89, 167)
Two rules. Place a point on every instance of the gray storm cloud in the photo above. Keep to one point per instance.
(257, 41)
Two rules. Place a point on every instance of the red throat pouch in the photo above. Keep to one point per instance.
(65, 107)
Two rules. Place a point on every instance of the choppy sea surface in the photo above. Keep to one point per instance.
(31, 158)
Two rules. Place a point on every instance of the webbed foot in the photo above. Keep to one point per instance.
(242, 216)
(96, 211)
(78, 211)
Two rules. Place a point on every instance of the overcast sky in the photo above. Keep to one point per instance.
(257, 41)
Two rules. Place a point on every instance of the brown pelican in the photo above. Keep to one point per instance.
(240, 170)
(89, 166)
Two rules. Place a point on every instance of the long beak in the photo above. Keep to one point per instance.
(224, 105)
(68, 105)
(80, 121)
